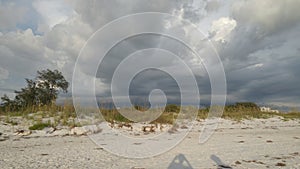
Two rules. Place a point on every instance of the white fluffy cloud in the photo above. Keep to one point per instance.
(221, 29)
(20, 49)
(52, 13)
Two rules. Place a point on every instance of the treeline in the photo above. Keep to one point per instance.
(238, 111)
(40, 91)
(237, 107)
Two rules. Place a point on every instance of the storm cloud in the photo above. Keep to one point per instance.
(257, 42)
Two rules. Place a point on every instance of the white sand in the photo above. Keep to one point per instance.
(260, 143)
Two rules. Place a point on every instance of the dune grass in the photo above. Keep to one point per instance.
(240, 115)
(65, 114)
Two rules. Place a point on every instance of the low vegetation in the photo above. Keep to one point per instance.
(37, 101)
(39, 126)
(40, 91)
(247, 110)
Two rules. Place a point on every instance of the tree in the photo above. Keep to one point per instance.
(49, 83)
(43, 90)
(28, 95)
(5, 100)
(247, 105)
(8, 104)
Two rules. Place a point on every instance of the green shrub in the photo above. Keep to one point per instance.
(39, 126)
(202, 114)
(291, 115)
(172, 108)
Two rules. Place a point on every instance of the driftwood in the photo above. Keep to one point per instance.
(150, 128)
(114, 124)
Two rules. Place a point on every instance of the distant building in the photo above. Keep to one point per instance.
(268, 109)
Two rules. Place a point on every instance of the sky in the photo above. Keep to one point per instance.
(258, 43)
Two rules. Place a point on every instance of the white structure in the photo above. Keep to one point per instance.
(268, 109)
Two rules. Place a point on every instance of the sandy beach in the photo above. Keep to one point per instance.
(257, 143)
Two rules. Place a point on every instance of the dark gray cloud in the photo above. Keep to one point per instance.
(261, 57)
(258, 43)
(148, 80)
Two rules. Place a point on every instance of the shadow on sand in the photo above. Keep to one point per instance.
(220, 164)
(180, 162)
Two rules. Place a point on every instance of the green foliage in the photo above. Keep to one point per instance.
(8, 105)
(39, 126)
(43, 90)
(49, 83)
(242, 106)
(247, 105)
(141, 108)
(238, 111)
(119, 117)
(172, 108)
(203, 113)
(291, 115)
(166, 118)
(113, 114)
(247, 110)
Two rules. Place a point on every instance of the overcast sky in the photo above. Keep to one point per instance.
(258, 42)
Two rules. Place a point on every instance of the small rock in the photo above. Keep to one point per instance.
(49, 130)
(184, 127)
(237, 162)
(92, 129)
(136, 134)
(22, 133)
(78, 131)
(172, 130)
(61, 132)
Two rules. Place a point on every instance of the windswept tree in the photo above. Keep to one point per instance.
(43, 90)
(49, 84)
(7, 103)
(27, 96)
